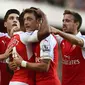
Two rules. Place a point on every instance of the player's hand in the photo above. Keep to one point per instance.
(8, 52)
(53, 30)
(18, 59)
(14, 29)
(12, 65)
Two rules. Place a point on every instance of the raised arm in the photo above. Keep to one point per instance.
(44, 27)
(71, 38)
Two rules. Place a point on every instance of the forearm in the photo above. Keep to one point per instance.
(44, 29)
(42, 66)
(2, 56)
(37, 66)
(71, 38)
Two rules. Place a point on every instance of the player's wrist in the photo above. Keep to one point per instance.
(50, 29)
(24, 63)
(5, 56)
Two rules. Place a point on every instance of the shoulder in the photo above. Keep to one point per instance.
(30, 32)
(3, 34)
(79, 35)
(50, 40)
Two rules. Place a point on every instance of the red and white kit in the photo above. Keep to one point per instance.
(5, 75)
(47, 49)
(22, 42)
(73, 60)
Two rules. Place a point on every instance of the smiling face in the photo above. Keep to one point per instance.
(12, 20)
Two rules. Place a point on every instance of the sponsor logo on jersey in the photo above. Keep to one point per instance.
(68, 61)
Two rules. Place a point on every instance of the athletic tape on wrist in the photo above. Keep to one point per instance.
(23, 63)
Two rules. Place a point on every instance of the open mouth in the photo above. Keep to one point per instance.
(14, 25)
(27, 27)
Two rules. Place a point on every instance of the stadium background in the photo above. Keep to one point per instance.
(52, 8)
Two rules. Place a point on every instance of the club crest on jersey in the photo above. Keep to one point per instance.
(46, 48)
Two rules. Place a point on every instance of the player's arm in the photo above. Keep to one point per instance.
(43, 61)
(43, 65)
(44, 27)
(71, 38)
(12, 65)
(2, 56)
(6, 54)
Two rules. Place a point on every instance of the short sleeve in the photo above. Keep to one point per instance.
(59, 38)
(33, 36)
(83, 38)
(47, 47)
(3, 34)
(29, 37)
(83, 48)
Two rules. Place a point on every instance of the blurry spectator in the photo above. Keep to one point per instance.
(80, 4)
(70, 3)
(40, 0)
(75, 4)
(53, 2)
(57, 2)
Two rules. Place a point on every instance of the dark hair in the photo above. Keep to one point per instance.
(21, 21)
(31, 10)
(10, 11)
(34, 8)
(77, 17)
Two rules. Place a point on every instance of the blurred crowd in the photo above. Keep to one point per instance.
(73, 4)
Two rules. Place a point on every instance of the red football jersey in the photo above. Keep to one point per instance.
(47, 47)
(73, 62)
(21, 41)
(5, 75)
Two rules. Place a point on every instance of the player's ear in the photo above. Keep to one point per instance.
(77, 23)
(5, 24)
(38, 20)
(38, 23)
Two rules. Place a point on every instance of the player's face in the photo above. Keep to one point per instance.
(69, 25)
(30, 22)
(11, 22)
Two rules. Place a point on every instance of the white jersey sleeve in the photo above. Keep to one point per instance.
(3, 34)
(83, 38)
(28, 37)
(47, 48)
(83, 48)
(59, 38)
(79, 35)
